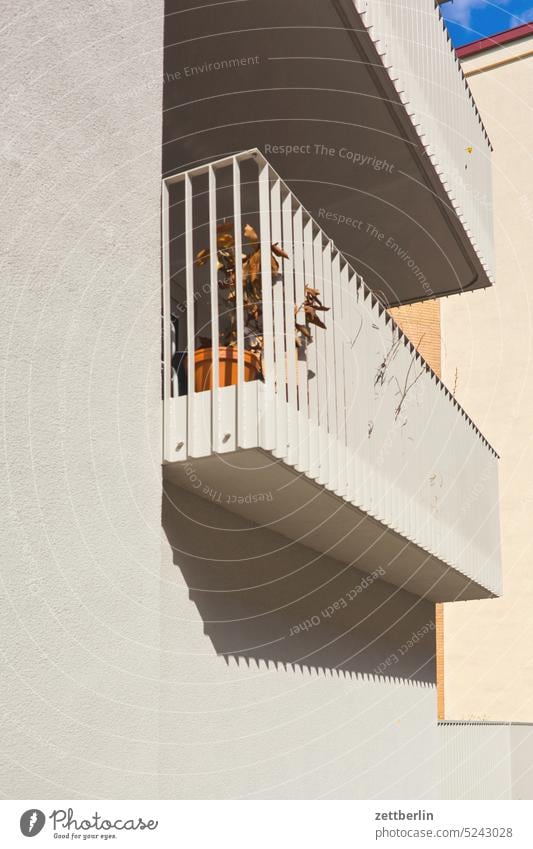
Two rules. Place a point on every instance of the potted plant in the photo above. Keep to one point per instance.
(252, 306)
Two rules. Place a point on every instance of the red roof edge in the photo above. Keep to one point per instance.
(496, 40)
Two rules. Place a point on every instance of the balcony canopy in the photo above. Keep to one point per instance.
(363, 108)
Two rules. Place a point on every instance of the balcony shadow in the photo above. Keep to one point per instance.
(264, 598)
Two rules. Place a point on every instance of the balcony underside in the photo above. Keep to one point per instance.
(262, 489)
(315, 84)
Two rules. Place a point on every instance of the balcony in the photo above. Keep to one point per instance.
(325, 425)
(362, 106)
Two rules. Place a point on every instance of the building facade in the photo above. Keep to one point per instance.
(228, 589)
(486, 352)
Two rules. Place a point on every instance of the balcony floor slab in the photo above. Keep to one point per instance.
(254, 484)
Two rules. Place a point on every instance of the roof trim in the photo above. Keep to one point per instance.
(496, 40)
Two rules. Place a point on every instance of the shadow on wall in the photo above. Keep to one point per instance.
(263, 597)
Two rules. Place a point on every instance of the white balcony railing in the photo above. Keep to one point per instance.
(413, 42)
(355, 410)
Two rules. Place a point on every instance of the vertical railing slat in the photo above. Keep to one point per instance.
(290, 337)
(167, 325)
(310, 354)
(189, 288)
(165, 236)
(348, 337)
(213, 284)
(280, 355)
(329, 353)
(239, 305)
(333, 319)
(267, 424)
(320, 367)
(364, 370)
(301, 363)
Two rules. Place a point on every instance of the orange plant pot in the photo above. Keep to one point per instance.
(227, 367)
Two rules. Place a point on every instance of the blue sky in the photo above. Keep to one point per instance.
(469, 20)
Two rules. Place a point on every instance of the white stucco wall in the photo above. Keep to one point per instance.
(476, 761)
(110, 686)
(249, 710)
(80, 479)
(252, 709)
(487, 353)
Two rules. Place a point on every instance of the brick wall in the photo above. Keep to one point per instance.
(421, 323)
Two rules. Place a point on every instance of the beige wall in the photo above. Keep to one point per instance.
(487, 350)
